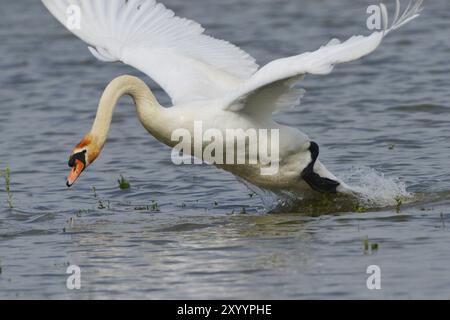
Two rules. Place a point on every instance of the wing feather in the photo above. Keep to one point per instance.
(273, 86)
(173, 51)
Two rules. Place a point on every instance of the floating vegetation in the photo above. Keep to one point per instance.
(155, 206)
(320, 204)
(101, 204)
(152, 207)
(398, 203)
(7, 178)
(374, 247)
(94, 191)
(123, 183)
(182, 205)
(360, 209)
(81, 211)
(366, 245)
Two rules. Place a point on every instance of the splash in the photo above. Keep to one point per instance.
(374, 189)
(366, 189)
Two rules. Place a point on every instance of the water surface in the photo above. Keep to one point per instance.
(194, 231)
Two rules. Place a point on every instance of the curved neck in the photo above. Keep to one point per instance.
(149, 111)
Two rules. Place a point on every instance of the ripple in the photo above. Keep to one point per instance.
(184, 227)
(426, 108)
(388, 111)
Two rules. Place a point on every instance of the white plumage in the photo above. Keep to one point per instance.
(173, 51)
(212, 80)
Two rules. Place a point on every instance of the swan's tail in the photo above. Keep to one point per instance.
(411, 12)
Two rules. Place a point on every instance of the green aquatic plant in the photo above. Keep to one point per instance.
(366, 245)
(374, 247)
(323, 204)
(155, 206)
(7, 178)
(399, 203)
(123, 183)
(359, 209)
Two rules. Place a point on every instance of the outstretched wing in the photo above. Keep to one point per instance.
(272, 88)
(173, 51)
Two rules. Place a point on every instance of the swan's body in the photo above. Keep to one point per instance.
(208, 80)
(161, 122)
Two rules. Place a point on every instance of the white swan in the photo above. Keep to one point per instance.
(208, 80)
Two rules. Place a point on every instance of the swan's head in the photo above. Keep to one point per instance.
(82, 156)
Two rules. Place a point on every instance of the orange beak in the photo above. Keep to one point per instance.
(75, 172)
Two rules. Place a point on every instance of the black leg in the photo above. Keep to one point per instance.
(315, 181)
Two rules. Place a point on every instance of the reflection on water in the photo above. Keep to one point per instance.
(195, 232)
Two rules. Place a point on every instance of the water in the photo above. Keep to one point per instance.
(386, 115)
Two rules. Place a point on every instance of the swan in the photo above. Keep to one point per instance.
(208, 80)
